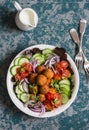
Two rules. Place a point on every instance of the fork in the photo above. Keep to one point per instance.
(86, 67)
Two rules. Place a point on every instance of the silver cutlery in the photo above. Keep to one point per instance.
(78, 39)
(75, 38)
(79, 56)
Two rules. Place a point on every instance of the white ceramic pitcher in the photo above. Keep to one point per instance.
(26, 19)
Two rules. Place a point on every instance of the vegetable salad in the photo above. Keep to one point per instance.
(42, 79)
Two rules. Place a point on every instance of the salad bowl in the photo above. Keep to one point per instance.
(23, 106)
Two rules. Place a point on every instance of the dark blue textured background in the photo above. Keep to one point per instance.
(56, 18)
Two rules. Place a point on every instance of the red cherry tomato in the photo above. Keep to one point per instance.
(57, 65)
(48, 105)
(57, 100)
(60, 66)
(50, 96)
(27, 66)
(18, 77)
(23, 74)
(57, 96)
(64, 64)
(57, 76)
(23, 71)
(65, 73)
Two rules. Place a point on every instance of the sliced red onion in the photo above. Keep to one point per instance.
(47, 62)
(25, 87)
(51, 61)
(42, 109)
(21, 81)
(26, 81)
(55, 71)
(29, 103)
(35, 106)
(34, 63)
(35, 110)
(51, 56)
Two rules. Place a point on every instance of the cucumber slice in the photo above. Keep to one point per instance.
(18, 96)
(47, 51)
(13, 69)
(67, 87)
(40, 60)
(23, 60)
(25, 97)
(21, 88)
(43, 56)
(64, 91)
(16, 61)
(37, 55)
(65, 81)
(64, 98)
(17, 90)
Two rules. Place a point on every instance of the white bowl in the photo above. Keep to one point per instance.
(56, 111)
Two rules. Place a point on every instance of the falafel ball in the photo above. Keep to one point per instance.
(40, 68)
(41, 79)
(48, 73)
(52, 90)
(33, 90)
(41, 97)
(32, 77)
(44, 89)
(32, 97)
(48, 82)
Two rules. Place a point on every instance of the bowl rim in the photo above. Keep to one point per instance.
(56, 111)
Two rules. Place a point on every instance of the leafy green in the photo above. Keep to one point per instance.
(55, 84)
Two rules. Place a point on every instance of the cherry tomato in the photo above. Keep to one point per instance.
(57, 76)
(18, 77)
(58, 67)
(57, 101)
(64, 64)
(27, 66)
(57, 95)
(65, 73)
(48, 105)
(23, 71)
(50, 96)
(23, 74)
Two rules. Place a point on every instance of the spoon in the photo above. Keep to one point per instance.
(74, 36)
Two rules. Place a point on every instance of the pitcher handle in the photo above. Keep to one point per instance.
(17, 6)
